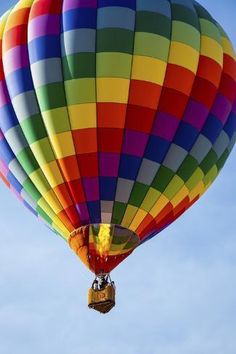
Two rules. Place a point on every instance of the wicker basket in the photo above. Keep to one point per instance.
(102, 300)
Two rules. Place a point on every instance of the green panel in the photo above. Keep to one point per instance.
(57, 122)
(203, 13)
(31, 190)
(26, 161)
(43, 215)
(79, 66)
(184, 14)
(118, 212)
(51, 96)
(114, 65)
(153, 23)
(162, 179)
(44, 151)
(187, 168)
(151, 45)
(209, 161)
(209, 29)
(33, 128)
(115, 40)
(220, 163)
(138, 194)
(173, 187)
(80, 91)
(184, 33)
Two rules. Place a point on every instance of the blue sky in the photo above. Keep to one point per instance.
(176, 294)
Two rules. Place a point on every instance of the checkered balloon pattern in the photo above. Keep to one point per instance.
(115, 116)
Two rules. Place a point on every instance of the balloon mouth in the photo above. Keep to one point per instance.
(101, 247)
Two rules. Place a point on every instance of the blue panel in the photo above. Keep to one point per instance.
(160, 6)
(8, 118)
(19, 81)
(14, 183)
(157, 149)
(186, 136)
(212, 128)
(44, 47)
(94, 212)
(6, 153)
(79, 18)
(123, 3)
(129, 166)
(116, 17)
(30, 208)
(230, 126)
(107, 188)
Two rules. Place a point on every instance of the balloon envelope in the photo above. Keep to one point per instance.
(115, 116)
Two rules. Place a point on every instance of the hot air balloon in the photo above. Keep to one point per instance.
(115, 117)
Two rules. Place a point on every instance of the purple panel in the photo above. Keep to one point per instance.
(221, 108)
(44, 26)
(4, 96)
(74, 4)
(108, 164)
(91, 188)
(165, 126)
(83, 212)
(196, 114)
(134, 143)
(16, 58)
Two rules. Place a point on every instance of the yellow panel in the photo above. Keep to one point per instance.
(184, 192)
(141, 214)
(150, 199)
(160, 204)
(83, 116)
(63, 144)
(228, 48)
(184, 55)
(198, 190)
(148, 69)
(36, 178)
(112, 90)
(3, 21)
(129, 215)
(53, 174)
(212, 49)
(211, 175)
(53, 202)
(65, 234)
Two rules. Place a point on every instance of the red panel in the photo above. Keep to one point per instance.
(44, 7)
(230, 66)
(110, 140)
(69, 167)
(14, 37)
(209, 70)
(85, 140)
(140, 118)
(77, 191)
(228, 87)
(179, 79)
(143, 93)
(88, 164)
(173, 102)
(204, 92)
(111, 115)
